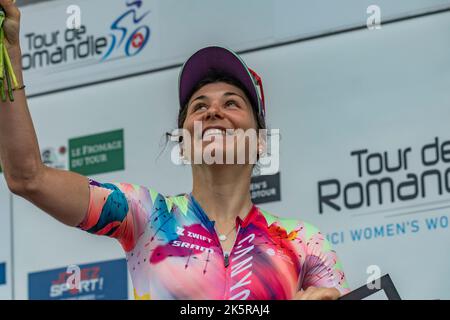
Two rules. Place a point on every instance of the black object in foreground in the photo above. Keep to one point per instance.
(386, 285)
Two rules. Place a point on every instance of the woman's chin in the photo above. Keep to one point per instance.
(212, 152)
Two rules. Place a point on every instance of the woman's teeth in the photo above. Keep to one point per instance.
(215, 132)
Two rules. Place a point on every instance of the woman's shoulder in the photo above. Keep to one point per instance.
(143, 193)
(289, 223)
(179, 201)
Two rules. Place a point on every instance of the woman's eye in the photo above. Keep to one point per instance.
(231, 103)
(199, 106)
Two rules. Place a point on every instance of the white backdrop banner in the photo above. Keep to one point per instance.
(116, 38)
(364, 153)
(5, 243)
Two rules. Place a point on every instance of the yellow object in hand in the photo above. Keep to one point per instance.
(6, 70)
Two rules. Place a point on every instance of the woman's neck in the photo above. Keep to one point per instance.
(223, 191)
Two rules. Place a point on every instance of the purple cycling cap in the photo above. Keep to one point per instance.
(223, 60)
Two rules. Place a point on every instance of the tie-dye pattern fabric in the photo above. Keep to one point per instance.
(173, 251)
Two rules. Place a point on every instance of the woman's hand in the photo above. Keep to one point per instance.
(313, 293)
(11, 25)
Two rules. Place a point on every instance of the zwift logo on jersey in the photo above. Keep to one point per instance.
(129, 34)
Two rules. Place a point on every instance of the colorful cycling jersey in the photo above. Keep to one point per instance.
(173, 251)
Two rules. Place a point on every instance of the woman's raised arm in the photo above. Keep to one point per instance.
(62, 194)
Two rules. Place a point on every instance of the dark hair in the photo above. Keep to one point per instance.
(215, 76)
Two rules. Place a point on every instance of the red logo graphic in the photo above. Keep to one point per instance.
(138, 40)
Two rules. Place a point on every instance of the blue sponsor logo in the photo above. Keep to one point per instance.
(389, 230)
(127, 40)
(2, 273)
(98, 281)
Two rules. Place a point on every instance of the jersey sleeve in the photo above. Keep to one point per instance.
(321, 267)
(118, 210)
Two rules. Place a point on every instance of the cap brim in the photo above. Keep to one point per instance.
(221, 59)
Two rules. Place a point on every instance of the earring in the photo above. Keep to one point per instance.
(183, 158)
(181, 154)
(261, 152)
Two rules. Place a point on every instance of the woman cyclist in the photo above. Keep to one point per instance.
(210, 243)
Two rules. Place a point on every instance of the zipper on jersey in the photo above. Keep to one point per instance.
(226, 256)
(210, 226)
(226, 259)
(227, 262)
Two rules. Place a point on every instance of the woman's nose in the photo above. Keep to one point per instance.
(214, 111)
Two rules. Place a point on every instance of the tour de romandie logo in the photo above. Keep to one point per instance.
(129, 34)
(135, 40)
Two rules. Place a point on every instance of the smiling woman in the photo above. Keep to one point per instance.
(210, 243)
(233, 140)
(214, 243)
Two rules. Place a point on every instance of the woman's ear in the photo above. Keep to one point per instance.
(262, 143)
(181, 146)
(183, 157)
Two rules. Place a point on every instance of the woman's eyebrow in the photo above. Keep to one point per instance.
(199, 98)
(227, 94)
